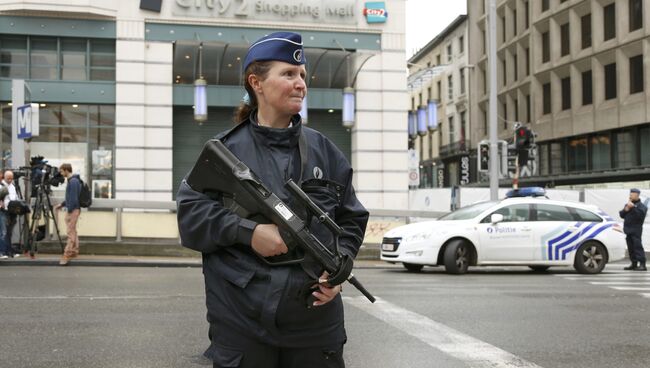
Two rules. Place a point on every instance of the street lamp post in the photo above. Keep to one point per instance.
(492, 62)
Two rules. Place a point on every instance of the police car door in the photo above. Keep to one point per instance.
(511, 240)
(559, 232)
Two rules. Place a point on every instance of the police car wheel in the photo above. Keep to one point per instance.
(457, 257)
(591, 258)
(410, 267)
(539, 268)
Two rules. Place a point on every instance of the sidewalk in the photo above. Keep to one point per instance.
(139, 261)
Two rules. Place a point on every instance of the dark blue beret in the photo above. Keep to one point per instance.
(281, 46)
(634, 190)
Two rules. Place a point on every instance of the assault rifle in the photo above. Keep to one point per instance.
(218, 170)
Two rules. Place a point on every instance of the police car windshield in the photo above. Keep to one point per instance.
(468, 212)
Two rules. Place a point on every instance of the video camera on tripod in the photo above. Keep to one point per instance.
(44, 175)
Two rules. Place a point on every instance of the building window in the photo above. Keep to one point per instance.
(543, 159)
(503, 28)
(13, 57)
(505, 116)
(429, 96)
(557, 158)
(485, 81)
(57, 58)
(514, 22)
(462, 81)
(485, 122)
(450, 55)
(516, 103)
(546, 98)
(430, 141)
(450, 88)
(585, 30)
(565, 47)
(636, 14)
(636, 74)
(601, 156)
(527, 61)
(546, 48)
(624, 150)
(463, 130)
(609, 18)
(566, 93)
(530, 118)
(43, 58)
(544, 5)
(461, 44)
(587, 88)
(505, 71)
(516, 66)
(438, 59)
(451, 129)
(577, 150)
(526, 17)
(610, 81)
(484, 42)
(77, 133)
(439, 90)
(644, 135)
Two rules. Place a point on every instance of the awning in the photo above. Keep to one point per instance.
(221, 64)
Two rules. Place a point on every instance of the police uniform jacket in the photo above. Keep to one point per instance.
(244, 293)
(634, 218)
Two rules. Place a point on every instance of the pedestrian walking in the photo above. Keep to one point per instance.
(634, 214)
(73, 208)
(259, 314)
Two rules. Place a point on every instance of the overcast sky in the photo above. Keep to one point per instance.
(426, 18)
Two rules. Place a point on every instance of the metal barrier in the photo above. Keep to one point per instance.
(119, 206)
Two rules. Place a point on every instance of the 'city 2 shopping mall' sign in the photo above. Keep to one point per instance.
(309, 11)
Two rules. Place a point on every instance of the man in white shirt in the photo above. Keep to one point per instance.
(11, 219)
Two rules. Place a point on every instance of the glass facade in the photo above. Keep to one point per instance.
(601, 152)
(83, 135)
(57, 58)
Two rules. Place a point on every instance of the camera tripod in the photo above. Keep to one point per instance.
(42, 210)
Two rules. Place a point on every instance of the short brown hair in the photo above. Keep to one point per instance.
(67, 167)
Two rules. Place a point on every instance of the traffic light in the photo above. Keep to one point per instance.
(483, 156)
(523, 138)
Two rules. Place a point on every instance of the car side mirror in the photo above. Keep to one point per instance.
(496, 218)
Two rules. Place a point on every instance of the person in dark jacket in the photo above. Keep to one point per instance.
(634, 214)
(259, 314)
(71, 203)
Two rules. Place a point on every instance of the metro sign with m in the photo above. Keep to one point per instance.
(27, 121)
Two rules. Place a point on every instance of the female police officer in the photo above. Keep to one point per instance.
(258, 313)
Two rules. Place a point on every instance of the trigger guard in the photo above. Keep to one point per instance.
(342, 273)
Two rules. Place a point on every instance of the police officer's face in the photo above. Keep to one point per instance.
(634, 196)
(283, 89)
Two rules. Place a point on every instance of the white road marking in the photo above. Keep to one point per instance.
(619, 283)
(474, 352)
(645, 295)
(629, 288)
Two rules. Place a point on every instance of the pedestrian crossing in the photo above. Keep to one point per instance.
(629, 281)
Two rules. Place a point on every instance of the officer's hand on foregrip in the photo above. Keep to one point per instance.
(267, 241)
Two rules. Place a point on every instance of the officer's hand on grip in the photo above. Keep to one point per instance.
(267, 241)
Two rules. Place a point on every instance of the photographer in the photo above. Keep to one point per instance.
(71, 203)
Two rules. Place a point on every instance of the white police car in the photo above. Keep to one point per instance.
(523, 229)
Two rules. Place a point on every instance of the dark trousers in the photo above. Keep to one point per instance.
(635, 248)
(11, 222)
(230, 349)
